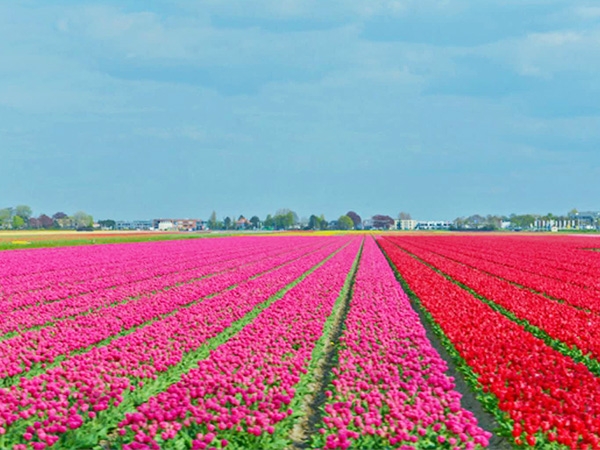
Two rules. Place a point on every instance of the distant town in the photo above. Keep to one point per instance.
(21, 217)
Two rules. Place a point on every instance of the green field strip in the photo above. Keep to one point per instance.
(98, 240)
(295, 428)
(49, 243)
(574, 352)
(488, 400)
(125, 300)
(40, 368)
(102, 427)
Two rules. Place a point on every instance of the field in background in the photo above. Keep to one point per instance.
(281, 339)
(214, 343)
(10, 240)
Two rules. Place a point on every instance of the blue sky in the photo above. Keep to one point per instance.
(439, 108)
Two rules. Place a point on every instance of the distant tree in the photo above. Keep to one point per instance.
(107, 223)
(522, 221)
(459, 223)
(255, 221)
(323, 225)
(382, 221)
(34, 223)
(82, 220)
(404, 216)
(285, 219)
(476, 221)
(303, 222)
(573, 212)
(313, 222)
(59, 215)
(345, 223)
(45, 221)
(18, 222)
(23, 211)
(5, 218)
(227, 223)
(356, 220)
(212, 221)
(269, 222)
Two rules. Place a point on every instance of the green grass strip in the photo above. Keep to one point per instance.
(48, 243)
(311, 382)
(91, 433)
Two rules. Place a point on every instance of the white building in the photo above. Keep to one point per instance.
(166, 225)
(433, 225)
(406, 224)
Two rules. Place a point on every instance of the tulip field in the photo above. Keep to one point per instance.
(521, 314)
(302, 341)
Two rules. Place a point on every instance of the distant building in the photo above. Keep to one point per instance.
(433, 225)
(133, 225)
(65, 222)
(243, 223)
(178, 224)
(405, 224)
(586, 220)
(555, 224)
(165, 225)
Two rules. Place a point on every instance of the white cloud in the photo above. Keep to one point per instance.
(545, 54)
(588, 12)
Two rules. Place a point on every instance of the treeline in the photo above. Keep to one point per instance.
(512, 221)
(286, 219)
(21, 217)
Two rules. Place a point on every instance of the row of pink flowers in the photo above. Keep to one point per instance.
(19, 353)
(145, 283)
(71, 394)
(55, 268)
(246, 386)
(390, 388)
(544, 394)
(85, 277)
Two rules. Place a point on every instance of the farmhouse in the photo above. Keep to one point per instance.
(178, 224)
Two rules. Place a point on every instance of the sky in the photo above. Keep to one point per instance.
(139, 110)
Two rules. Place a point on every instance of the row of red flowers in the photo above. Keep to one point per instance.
(574, 327)
(542, 393)
(555, 274)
